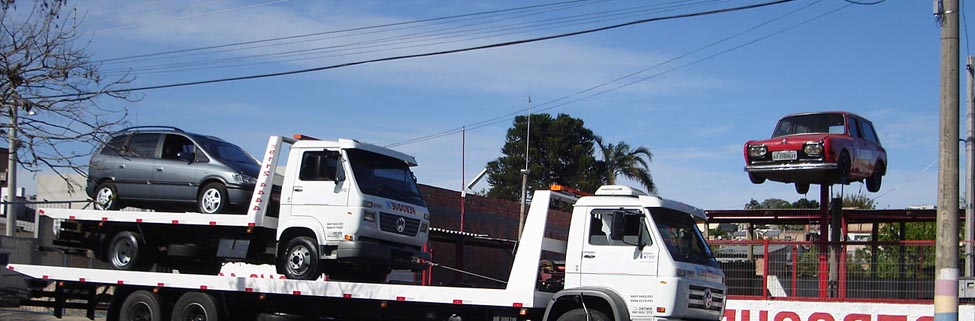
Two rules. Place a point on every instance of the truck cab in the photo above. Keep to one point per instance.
(360, 206)
(649, 249)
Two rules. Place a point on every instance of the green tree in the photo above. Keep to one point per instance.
(769, 203)
(560, 151)
(805, 203)
(620, 160)
(858, 201)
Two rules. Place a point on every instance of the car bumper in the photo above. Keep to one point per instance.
(790, 167)
(240, 195)
(372, 252)
(813, 173)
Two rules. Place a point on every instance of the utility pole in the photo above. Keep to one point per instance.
(524, 172)
(969, 163)
(946, 249)
(11, 228)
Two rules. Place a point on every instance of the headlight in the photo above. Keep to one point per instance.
(813, 149)
(756, 151)
(242, 178)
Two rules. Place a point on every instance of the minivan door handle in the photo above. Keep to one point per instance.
(159, 169)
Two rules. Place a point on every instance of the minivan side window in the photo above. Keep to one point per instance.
(174, 145)
(143, 145)
(319, 166)
(115, 146)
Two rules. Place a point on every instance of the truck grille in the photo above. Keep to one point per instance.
(701, 297)
(391, 223)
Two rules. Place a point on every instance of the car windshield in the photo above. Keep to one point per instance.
(683, 239)
(384, 176)
(226, 152)
(810, 124)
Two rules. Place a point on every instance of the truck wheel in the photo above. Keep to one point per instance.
(213, 198)
(106, 197)
(141, 305)
(300, 259)
(196, 306)
(580, 315)
(127, 252)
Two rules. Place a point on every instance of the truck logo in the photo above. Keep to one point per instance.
(707, 299)
(400, 225)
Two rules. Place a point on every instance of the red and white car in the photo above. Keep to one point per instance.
(818, 148)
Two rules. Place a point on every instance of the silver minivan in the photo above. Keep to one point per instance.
(162, 167)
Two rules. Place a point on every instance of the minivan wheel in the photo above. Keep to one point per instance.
(213, 198)
(106, 197)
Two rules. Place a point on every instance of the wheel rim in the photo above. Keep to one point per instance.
(104, 198)
(123, 253)
(211, 201)
(140, 312)
(299, 260)
(194, 312)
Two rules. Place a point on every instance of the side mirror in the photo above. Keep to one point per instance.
(189, 157)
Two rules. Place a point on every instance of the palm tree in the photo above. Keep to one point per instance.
(620, 160)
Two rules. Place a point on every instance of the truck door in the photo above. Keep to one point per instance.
(620, 252)
(317, 192)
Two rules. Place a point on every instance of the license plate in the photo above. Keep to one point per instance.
(784, 155)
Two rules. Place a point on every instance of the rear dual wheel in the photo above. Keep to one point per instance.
(196, 306)
(142, 305)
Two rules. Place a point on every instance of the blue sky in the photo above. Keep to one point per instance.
(879, 61)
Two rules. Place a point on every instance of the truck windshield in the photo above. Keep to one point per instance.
(683, 240)
(810, 124)
(384, 176)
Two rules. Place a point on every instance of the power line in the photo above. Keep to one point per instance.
(338, 31)
(440, 53)
(552, 104)
(407, 41)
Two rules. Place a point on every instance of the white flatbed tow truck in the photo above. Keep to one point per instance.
(628, 256)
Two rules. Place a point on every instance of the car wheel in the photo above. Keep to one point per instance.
(755, 178)
(876, 179)
(106, 197)
(802, 188)
(300, 259)
(843, 168)
(128, 252)
(213, 198)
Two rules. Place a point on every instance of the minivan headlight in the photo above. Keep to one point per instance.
(242, 178)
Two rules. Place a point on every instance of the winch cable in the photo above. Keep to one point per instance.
(434, 264)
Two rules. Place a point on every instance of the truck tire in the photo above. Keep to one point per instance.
(579, 314)
(141, 305)
(300, 260)
(127, 252)
(106, 197)
(196, 306)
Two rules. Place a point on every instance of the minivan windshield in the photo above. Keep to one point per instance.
(384, 176)
(226, 152)
(684, 241)
(810, 124)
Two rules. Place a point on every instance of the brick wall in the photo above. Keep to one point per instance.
(493, 217)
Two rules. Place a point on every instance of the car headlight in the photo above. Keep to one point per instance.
(242, 178)
(756, 151)
(813, 148)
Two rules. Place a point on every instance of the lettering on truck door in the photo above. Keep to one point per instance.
(317, 191)
(615, 258)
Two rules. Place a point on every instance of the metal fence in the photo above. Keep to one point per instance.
(870, 271)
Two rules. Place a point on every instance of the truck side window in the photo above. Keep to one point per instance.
(601, 227)
(318, 166)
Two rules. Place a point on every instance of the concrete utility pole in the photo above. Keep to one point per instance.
(946, 257)
(969, 163)
(524, 172)
(11, 228)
